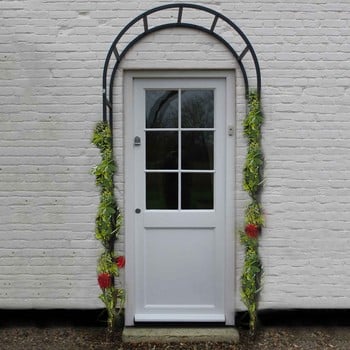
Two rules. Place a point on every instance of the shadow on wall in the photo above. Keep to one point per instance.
(298, 318)
(54, 317)
(97, 318)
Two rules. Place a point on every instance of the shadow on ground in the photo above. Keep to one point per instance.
(78, 329)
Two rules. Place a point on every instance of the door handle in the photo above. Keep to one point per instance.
(137, 210)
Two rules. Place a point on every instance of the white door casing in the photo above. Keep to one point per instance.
(179, 248)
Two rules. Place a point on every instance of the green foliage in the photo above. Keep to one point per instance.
(250, 279)
(110, 298)
(252, 170)
(253, 121)
(108, 220)
(104, 172)
(252, 183)
(106, 264)
(254, 214)
(102, 137)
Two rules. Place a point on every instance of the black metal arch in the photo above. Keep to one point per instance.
(177, 23)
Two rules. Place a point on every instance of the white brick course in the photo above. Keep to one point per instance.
(51, 60)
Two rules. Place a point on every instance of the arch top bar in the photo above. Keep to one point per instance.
(175, 22)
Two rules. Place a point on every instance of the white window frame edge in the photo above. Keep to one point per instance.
(230, 237)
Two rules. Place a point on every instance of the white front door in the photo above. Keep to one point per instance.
(179, 199)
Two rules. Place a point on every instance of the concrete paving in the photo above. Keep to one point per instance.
(179, 335)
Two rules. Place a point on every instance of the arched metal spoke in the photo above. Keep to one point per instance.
(214, 23)
(243, 53)
(179, 16)
(145, 23)
(116, 54)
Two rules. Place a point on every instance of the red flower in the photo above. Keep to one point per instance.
(120, 261)
(104, 280)
(252, 231)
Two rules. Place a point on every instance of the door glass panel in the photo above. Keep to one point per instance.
(197, 109)
(197, 149)
(161, 109)
(161, 150)
(197, 191)
(161, 191)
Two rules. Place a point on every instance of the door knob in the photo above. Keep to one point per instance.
(137, 210)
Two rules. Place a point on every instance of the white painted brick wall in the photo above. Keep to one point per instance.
(51, 59)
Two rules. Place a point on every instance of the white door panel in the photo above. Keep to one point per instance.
(179, 186)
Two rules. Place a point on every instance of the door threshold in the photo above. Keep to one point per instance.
(179, 324)
(180, 334)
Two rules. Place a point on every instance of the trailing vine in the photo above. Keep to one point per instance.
(252, 184)
(108, 224)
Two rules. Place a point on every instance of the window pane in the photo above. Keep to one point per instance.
(197, 150)
(197, 191)
(161, 109)
(161, 150)
(162, 191)
(197, 109)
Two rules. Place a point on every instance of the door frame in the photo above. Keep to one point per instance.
(129, 176)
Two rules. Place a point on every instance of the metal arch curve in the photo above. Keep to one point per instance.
(108, 102)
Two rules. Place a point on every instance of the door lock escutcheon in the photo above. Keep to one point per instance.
(137, 141)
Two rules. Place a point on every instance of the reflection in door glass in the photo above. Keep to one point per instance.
(197, 109)
(197, 150)
(161, 191)
(161, 109)
(197, 191)
(161, 150)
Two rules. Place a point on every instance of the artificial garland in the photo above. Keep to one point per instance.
(252, 184)
(108, 224)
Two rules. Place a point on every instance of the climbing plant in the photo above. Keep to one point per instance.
(252, 184)
(108, 224)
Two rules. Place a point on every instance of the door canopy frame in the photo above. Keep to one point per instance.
(174, 22)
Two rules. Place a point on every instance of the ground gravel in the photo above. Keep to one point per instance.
(56, 333)
(268, 338)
